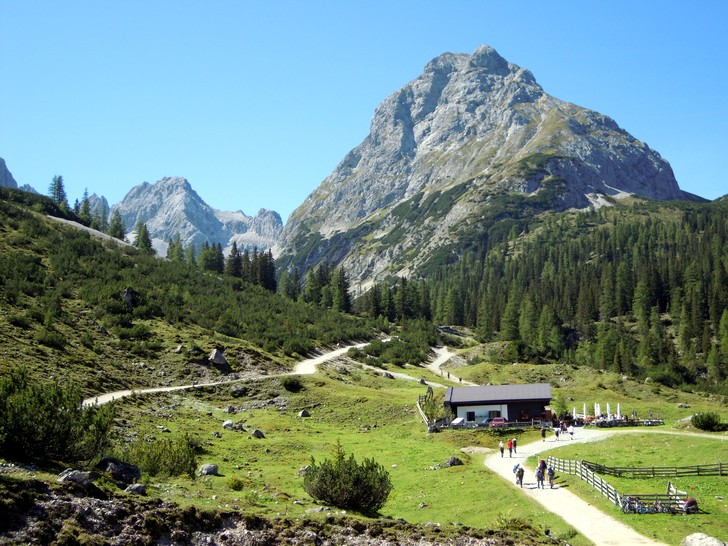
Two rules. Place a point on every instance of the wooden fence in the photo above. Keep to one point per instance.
(578, 468)
(588, 472)
(717, 469)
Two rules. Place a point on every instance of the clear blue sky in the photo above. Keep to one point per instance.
(255, 103)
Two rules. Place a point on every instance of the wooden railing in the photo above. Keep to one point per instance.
(717, 469)
(588, 472)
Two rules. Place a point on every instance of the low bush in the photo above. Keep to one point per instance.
(165, 457)
(708, 420)
(344, 483)
(292, 384)
(40, 421)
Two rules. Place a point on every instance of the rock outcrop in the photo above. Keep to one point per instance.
(6, 178)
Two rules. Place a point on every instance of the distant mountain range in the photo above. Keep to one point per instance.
(443, 155)
(170, 207)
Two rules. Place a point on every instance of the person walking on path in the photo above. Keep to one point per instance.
(510, 448)
(571, 431)
(500, 446)
(543, 434)
(556, 432)
(514, 445)
(519, 476)
(539, 477)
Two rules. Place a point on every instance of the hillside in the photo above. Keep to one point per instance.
(64, 318)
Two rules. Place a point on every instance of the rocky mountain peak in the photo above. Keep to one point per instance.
(172, 207)
(474, 127)
(6, 178)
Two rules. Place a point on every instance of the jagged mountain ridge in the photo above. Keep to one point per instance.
(170, 206)
(440, 150)
(6, 178)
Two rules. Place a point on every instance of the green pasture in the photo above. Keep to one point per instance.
(371, 416)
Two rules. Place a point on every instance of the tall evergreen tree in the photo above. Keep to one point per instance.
(116, 226)
(57, 192)
(143, 242)
(234, 263)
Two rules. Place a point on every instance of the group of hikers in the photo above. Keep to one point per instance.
(511, 445)
(559, 429)
(542, 471)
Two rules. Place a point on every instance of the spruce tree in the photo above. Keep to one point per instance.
(116, 226)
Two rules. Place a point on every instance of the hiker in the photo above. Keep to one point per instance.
(556, 432)
(543, 434)
(500, 446)
(519, 476)
(510, 448)
(514, 445)
(448, 375)
(571, 431)
(551, 473)
(539, 478)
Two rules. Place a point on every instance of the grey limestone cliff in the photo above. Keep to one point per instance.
(469, 129)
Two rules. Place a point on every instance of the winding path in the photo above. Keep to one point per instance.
(602, 529)
(304, 367)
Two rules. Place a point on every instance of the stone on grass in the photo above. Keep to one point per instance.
(118, 470)
(79, 477)
(258, 434)
(208, 470)
(701, 539)
(228, 425)
(137, 489)
(452, 461)
(304, 413)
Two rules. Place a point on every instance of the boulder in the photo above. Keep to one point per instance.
(238, 390)
(120, 471)
(701, 539)
(683, 405)
(137, 489)
(258, 434)
(304, 413)
(228, 425)
(79, 477)
(216, 357)
(303, 470)
(208, 470)
(452, 461)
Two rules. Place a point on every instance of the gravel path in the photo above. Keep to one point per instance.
(590, 521)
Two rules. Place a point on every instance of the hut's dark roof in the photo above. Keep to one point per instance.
(498, 393)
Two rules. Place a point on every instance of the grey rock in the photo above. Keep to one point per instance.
(79, 477)
(137, 489)
(304, 413)
(217, 357)
(303, 470)
(452, 461)
(208, 470)
(258, 434)
(228, 425)
(119, 470)
(238, 390)
(682, 405)
(701, 539)
(230, 409)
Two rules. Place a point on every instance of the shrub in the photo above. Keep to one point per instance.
(235, 483)
(165, 457)
(344, 483)
(292, 384)
(708, 420)
(48, 422)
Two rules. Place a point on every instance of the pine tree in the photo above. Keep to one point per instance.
(143, 242)
(116, 226)
(85, 208)
(234, 263)
(57, 192)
